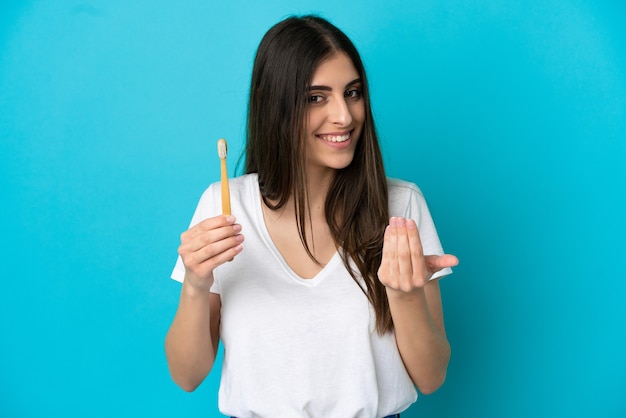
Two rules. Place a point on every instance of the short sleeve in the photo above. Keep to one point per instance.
(206, 208)
(406, 200)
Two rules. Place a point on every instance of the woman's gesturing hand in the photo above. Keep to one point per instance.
(206, 245)
(404, 267)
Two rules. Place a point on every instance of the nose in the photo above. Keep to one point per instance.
(339, 112)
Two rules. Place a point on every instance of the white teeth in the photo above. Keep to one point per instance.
(336, 138)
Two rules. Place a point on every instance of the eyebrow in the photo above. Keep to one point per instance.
(327, 88)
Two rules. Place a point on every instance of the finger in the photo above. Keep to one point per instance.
(210, 236)
(420, 273)
(228, 255)
(417, 253)
(208, 224)
(205, 268)
(212, 253)
(394, 266)
(388, 268)
(439, 262)
(405, 264)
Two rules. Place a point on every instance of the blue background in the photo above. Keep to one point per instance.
(511, 116)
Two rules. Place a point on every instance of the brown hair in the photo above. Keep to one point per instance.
(357, 202)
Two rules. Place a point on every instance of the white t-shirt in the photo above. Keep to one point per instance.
(298, 347)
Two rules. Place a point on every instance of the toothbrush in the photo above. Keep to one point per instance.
(222, 149)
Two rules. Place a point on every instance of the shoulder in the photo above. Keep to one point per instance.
(244, 181)
(405, 198)
(243, 190)
(399, 188)
(235, 184)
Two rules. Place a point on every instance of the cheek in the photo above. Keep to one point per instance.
(314, 119)
(358, 111)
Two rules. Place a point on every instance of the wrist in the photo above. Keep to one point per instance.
(195, 288)
(396, 295)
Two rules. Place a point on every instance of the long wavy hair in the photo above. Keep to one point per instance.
(356, 207)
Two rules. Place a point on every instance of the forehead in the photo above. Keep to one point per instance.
(337, 68)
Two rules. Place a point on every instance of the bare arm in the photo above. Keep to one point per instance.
(191, 342)
(415, 304)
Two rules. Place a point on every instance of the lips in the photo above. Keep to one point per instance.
(335, 138)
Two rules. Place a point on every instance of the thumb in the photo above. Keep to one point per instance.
(435, 263)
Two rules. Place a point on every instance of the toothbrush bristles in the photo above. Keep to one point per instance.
(222, 148)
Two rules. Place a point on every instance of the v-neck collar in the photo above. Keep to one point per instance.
(267, 240)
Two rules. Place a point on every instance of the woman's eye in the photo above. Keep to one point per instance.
(353, 93)
(315, 98)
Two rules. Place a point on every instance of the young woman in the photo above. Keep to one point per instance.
(330, 308)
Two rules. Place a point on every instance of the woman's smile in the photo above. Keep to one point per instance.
(335, 113)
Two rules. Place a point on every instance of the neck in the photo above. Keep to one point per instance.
(317, 186)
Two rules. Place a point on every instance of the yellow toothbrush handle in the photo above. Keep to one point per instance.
(225, 189)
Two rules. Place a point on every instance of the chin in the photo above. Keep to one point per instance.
(342, 165)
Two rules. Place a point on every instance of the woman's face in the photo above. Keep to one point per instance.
(335, 112)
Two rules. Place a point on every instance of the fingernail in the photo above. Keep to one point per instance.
(393, 222)
(401, 222)
(230, 219)
(410, 224)
(236, 227)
